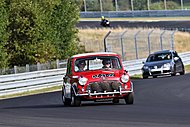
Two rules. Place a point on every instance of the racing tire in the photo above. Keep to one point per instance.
(174, 72)
(154, 76)
(66, 101)
(76, 101)
(144, 76)
(115, 101)
(129, 99)
(183, 71)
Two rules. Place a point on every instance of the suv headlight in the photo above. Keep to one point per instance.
(167, 65)
(145, 67)
(82, 81)
(125, 78)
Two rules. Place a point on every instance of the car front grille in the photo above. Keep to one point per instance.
(108, 86)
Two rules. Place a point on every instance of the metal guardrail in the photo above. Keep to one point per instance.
(24, 82)
(146, 13)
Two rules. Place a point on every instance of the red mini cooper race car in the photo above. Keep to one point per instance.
(96, 77)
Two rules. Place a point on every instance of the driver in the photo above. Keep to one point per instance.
(81, 65)
(106, 63)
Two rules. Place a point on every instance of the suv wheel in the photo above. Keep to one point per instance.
(129, 99)
(183, 71)
(145, 76)
(174, 71)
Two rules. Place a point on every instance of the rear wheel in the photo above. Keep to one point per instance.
(129, 99)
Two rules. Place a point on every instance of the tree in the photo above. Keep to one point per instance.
(63, 21)
(3, 35)
(140, 4)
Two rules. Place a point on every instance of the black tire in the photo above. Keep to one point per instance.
(144, 76)
(154, 76)
(174, 72)
(115, 101)
(129, 99)
(76, 101)
(183, 71)
(66, 101)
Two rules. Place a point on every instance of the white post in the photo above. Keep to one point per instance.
(132, 9)
(85, 5)
(181, 4)
(148, 4)
(116, 7)
(101, 9)
(165, 7)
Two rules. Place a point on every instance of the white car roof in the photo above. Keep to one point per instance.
(94, 53)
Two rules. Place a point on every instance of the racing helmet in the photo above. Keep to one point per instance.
(103, 17)
(80, 62)
(106, 61)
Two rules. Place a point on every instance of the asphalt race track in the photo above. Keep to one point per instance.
(145, 24)
(159, 102)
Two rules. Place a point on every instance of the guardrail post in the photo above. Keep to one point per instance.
(15, 69)
(105, 48)
(136, 48)
(38, 66)
(161, 45)
(57, 63)
(172, 40)
(149, 40)
(122, 50)
(27, 68)
(84, 5)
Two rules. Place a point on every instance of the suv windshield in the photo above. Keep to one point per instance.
(96, 63)
(159, 57)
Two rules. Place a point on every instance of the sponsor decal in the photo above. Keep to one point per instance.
(103, 75)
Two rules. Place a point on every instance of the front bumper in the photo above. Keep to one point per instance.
(157, 72)
(110, 94)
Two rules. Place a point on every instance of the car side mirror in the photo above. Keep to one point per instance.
(176, 58)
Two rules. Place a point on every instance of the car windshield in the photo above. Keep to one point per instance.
(159, 57)
(96, 63)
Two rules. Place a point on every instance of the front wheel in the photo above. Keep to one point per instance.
(129, 99)
(115, 101)
(66, 101)
(76, 101)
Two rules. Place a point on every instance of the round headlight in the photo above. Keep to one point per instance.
(125, 78)
(83, 81)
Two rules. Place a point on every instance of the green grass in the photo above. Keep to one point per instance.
(32, 92)
(187, 69)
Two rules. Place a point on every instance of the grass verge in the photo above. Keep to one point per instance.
(32, 92)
